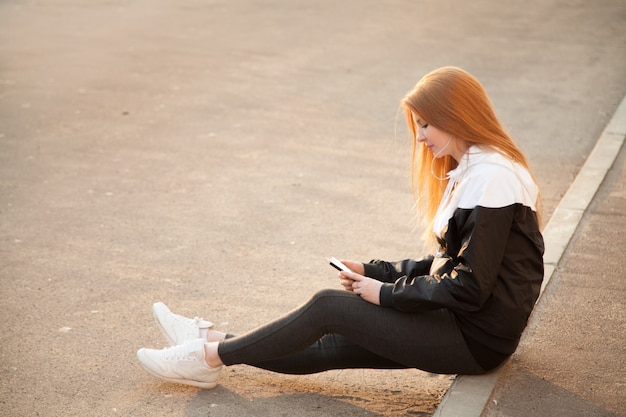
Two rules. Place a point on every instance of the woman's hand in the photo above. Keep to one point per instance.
(367, 288)
(354, 266)
(347, 282)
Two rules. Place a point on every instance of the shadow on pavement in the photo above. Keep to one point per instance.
(543, 398)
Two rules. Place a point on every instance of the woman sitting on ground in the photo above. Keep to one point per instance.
(460, 311)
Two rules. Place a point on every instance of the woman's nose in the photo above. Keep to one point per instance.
(420, 136)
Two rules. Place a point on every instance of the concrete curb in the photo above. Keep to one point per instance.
(468, 395)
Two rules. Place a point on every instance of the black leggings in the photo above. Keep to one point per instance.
(336, 329)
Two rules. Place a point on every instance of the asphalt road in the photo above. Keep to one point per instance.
(212, 154)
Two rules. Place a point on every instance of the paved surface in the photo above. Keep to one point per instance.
(211, 154)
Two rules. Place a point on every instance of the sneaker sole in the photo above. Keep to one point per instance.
(199, 384)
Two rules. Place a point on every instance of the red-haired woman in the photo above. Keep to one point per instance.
(460, 311)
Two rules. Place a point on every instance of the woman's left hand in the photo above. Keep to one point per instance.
(367, 288)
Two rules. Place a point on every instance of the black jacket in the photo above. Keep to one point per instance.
(489, 266)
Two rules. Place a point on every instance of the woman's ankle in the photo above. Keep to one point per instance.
(211, 355)
(215, 336)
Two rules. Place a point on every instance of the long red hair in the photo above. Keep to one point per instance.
(455, 102)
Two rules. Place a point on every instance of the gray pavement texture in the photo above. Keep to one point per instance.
(211, 154)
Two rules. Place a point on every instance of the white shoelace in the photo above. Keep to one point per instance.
(196, 321)
(184, 351)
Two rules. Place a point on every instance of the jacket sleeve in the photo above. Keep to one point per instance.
(391, 271)
(465, 279)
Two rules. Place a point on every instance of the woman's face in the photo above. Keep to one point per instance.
(437, 141)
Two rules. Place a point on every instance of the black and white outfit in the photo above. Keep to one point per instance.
(460, 311)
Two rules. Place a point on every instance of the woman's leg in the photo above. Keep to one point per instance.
(332, 351)
(337, 329)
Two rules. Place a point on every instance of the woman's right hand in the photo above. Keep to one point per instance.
(354, 267)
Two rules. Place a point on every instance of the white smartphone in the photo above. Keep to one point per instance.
(335, 263)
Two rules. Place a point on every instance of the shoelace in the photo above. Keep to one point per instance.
(178, 352)
(195, 321)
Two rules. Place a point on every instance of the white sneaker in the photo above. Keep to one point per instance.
(178, 329)
(182, 364)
